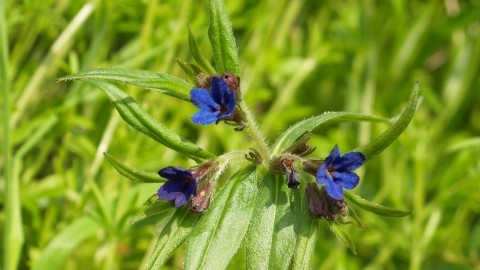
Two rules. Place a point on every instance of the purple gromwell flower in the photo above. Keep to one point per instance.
(336, 173)
(181, 185)
(215, 105)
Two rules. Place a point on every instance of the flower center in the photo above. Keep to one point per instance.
(330, 170)
(223, 108)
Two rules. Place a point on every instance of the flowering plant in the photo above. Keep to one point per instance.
(277, 222)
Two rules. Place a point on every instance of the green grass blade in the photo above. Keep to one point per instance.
(159, 82)
(134, 115)
(197, 54)
(290, 135)
(13, 237)
(172, 236)
(380, 143)
(218, 235)
(221, 37)
(57, 251)
(136, 175)
(271, 239)
(375, 208)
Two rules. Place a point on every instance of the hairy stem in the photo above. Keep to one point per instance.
(253, 131)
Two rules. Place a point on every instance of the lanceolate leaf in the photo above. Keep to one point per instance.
(290, 135)
(221, 37)
(151, 210)
(172, 236)
(197, 53)
(163, 83)
(379, 144)
(137, 176)
(375, 208)
(271, 239)
(218, 235)
(143, 122)
(188, 70)
(306, 235)
(342, 235)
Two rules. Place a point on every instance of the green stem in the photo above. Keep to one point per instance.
(13, 228)
(253, 131)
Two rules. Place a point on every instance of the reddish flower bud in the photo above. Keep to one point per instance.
(316, 202)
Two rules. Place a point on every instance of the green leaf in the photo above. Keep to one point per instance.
(352, 218)
(379, 144)
(172, 236)
(134, 115)
(57, 251)
(306, 235)
(271, 239)
(375, 208)
(187, 69)
(221, 37)
(308, 125)
(197, 54)
(137, 176)
(218, 235)
(152, 210)
(342, 235)
(159, 82)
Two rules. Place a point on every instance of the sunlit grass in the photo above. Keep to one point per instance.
(298, 59)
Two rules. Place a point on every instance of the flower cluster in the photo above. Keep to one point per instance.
(219, 103)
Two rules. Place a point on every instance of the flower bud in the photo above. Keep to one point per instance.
(316, 202)
(321, 204)
(231, 80)
(201, 201)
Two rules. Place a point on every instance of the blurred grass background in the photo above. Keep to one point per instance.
(298, 59)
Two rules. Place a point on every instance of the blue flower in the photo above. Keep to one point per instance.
(336, 173)
(181, 185)
(215, 105)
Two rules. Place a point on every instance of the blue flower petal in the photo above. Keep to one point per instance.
(174, 173)
(204, 117)
(220, 90)
(334, 154)
(333, 189)
(231, 103)
(202, 98)
(172, 190)
(348, 180)
(322, 175)
(349, 162)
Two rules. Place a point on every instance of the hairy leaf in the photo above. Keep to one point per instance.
(271, 239)
(136, 175)
(197, 53)
(221, 37)
(172, 236)
(152, 210)
(342, 235)
(218, 235)
(380, 143)
(375, 208)
(308, 125)
(307, 233)
(134, 115)
(159, 82)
